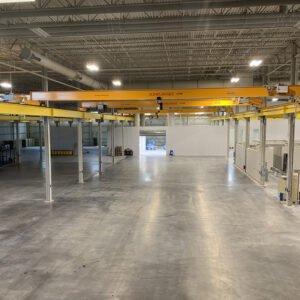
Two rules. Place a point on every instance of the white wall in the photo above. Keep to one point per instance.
(196, 140)
(183, 140)
(201, 139)
(63, 138)
(142, 144)
(277, 129)
(131, 138)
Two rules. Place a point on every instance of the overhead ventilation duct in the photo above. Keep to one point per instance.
(34, 57)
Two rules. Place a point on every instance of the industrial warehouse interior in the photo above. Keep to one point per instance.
(149, 149)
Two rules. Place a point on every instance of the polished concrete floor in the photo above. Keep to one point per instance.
(149, 228)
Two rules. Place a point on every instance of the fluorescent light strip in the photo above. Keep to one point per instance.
(235, 79)
(40, 32)
(92, 67)
(6, 85)
(255, 63)
(117, 82)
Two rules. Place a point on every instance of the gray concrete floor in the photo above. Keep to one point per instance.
(148, 228)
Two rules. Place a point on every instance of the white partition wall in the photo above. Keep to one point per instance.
(64, 138)
(196, 140)
(131, 138)
(240, 156)
(253, 163)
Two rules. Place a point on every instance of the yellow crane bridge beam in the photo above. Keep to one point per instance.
(29, 110)
(274, 112)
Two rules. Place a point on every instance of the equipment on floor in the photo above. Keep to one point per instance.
(128, 152)
(118, 151)
(171, 153)
(280, 158)
(282, 188)
(63, 140)
(61, 152)
(7, 155)
(28, 143)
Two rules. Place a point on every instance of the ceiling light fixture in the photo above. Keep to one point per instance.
(274, 99)
(235, 79)
(255, 63)
(6, 85)
(92, 67)
(117, 82)
(40, 32)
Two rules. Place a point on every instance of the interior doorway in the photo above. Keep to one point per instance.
(152, 142)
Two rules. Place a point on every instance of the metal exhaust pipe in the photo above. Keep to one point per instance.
(34, 57)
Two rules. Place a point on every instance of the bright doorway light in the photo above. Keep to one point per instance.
(274, 99)
(6, 85)
(235, 79)
(92, 67)
(117, 82)
(255, 63)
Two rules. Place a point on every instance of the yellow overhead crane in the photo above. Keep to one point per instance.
(169, 97)
(29, 110)
(179, 115)
(173, 110)
(274, 112)
(168, 94)
(153, 103)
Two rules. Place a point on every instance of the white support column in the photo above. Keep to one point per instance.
(247, 139)
(13, 138)
(28, 135)
(113, 141)
(18, 142)
(123, 145)
(223, 121)
(170, 119)
(263, 163)
(40, 140)
(79, 150)
(137, 120)
(13, 131)
(47, 142)
(290, 163)
(236, 129)
(48, 171)
(91, 134)
(142, 117)
(228, 139)
(100, 145)
(291, 131)
(294, 73)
